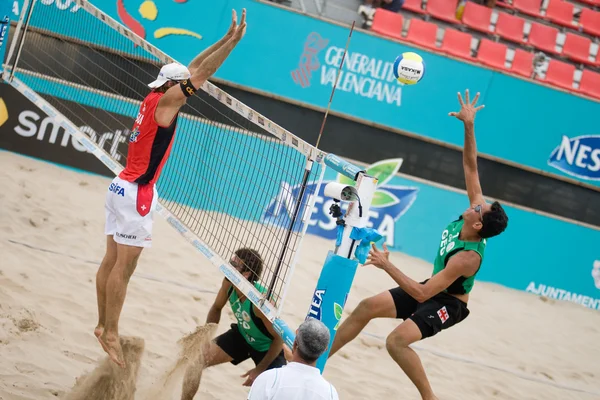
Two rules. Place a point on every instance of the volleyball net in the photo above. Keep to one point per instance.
(234, 178)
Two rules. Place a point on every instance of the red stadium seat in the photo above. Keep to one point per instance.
(560, 74)
(456, 43)
(415, 6)
(543, 37)
(529, 7)
(577, 48)
(510, 27)
(387, 23)
(590, 20)
(422, 33)
(522, 63)
(561, 13)
(443, 9)
(590, 83)
(477, 17)
(492, 54)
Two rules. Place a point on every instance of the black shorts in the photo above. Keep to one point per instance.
(233, 343)
(438, 313)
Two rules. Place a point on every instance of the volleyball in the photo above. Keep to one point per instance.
(409, 68)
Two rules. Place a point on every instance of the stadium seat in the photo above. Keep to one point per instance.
(577, 48)
(388, 23)
(560, 74)
(422, 33)
(590, 21)
(477, 17)
(529, 7)
(510, 27)
(492, 54)
(522, 63)
(590, 83)
(456, 43)
(414, 6)
(561, 13)
(543, 37)
(443, 9)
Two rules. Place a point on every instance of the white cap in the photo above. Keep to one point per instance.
(170, 72)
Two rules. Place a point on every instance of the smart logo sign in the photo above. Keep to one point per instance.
(389, 204)
(578, 156)
(362, 74)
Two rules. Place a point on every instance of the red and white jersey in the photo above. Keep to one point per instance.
(149, 144)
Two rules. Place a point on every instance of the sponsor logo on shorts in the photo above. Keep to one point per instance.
(316, 303)
(116, 189)
(443, 314)
(122, 236)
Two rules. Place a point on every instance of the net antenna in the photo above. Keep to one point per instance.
(235, 179)
(335, 85)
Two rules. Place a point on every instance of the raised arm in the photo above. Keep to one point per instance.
(174, 98)
(197, 61)
(466, 114)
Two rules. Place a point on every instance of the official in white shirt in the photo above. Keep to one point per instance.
(300, 379)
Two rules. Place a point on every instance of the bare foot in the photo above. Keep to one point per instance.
(113, 348)
(98, 333)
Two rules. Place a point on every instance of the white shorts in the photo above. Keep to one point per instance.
(130, 212)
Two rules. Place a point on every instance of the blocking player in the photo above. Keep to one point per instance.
(252, 336)
(132, 196)
(441, 301)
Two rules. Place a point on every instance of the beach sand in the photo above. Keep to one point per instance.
(514, 345)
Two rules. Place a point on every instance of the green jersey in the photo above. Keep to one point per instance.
(450, 244)
(250, 326)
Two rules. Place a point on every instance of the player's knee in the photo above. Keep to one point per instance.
(396, 340)
(366, 309)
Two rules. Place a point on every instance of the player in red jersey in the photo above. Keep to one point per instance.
(131, 197)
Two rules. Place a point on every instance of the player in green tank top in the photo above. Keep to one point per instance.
(252, 336)
(441, 301)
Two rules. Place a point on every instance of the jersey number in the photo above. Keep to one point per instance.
(447, 243)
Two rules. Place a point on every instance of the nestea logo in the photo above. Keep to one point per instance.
(389, 203)
(578, 156)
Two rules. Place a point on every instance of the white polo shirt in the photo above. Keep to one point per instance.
(295, 381)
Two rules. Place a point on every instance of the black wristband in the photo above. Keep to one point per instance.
(187, 88)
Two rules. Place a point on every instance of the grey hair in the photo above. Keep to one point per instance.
(312, 339)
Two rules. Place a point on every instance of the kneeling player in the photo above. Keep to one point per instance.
(252, 337)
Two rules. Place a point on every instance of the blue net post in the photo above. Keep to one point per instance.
(351, 248)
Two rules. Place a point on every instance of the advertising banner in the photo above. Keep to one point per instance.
(523, 122)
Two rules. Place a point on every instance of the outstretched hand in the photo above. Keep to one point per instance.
(468, 109)
(241, 28)
(380, 259)
(233, 25)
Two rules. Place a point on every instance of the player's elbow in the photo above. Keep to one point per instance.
(423, 295)
(203, 73)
